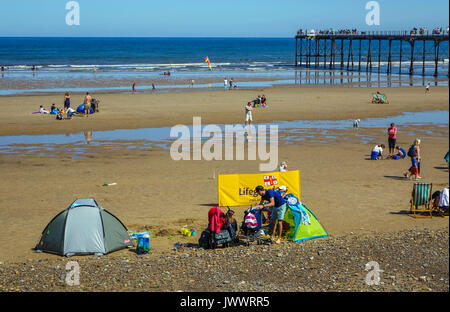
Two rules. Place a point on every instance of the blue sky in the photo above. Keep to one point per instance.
(212, 18)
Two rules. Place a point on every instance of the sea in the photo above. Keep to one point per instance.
(46, 65)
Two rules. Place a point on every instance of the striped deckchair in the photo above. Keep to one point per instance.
(383, 99)
(375, 98)
(421, 196)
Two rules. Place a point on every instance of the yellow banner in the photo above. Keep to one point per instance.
(239, 189)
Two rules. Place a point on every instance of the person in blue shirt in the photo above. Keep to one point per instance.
(401, 154)
(278, 204)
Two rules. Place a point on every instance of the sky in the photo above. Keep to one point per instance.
(211, 18)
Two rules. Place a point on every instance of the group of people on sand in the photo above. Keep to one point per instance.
(67, 110)
(133, 87)
(229, 83)
(272, 201)
(259, 101)
(396, 152)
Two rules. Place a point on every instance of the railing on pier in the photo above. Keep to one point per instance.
(313, 49)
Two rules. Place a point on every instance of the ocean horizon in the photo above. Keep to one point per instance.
(53, 64)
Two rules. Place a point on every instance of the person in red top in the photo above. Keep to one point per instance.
(392, 133)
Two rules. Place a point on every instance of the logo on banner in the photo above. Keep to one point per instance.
(270, 180)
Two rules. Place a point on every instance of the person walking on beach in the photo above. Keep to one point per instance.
(414, 170)
(133, 88)
(153, 87)
(248, 114)
(392, 137)
(192, 83)
(87, 104)
(88, 136)
(225, 83)
(427, 88)
(231, 83)
(278, 204)
(66, 100)
(415, 148)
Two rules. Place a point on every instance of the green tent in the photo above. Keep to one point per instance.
(84, 228)
(303, 223)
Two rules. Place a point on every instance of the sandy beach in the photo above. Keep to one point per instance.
(347, 192)
(350, 195)
(130, 111)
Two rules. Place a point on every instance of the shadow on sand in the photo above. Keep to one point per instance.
(401, 178)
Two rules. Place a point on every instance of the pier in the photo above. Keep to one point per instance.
(343, 51)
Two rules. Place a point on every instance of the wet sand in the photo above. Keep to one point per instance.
(130, 111)
(347, 192)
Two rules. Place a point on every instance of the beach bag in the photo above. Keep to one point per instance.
(222, 237)
(411, 151)
(250, 221)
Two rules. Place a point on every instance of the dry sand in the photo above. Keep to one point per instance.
(347, 192)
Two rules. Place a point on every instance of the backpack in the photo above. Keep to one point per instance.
(411, 151)
(206, 240)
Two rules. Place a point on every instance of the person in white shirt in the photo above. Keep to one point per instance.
(283, 166)
(225, 83)
(43, 111)
(377, 152)
(248, 113)
(70, 112)
(444, 200)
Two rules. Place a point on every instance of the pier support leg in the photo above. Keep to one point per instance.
(411, 65)
(316, 60)
(389, 58)
(350, 54)
(369, 57)
(436, 58)
(359, 56)
(301, 52)
(379, 55)
(423, 58)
